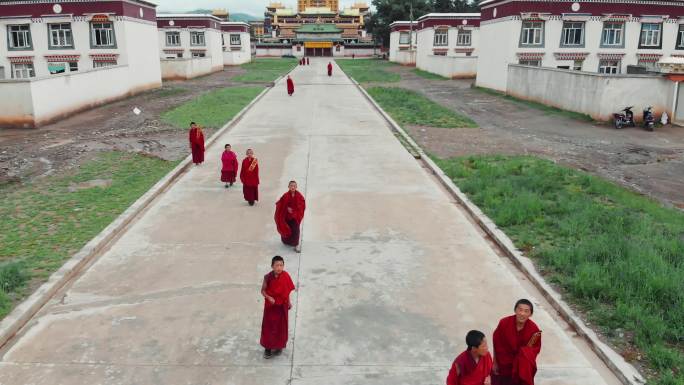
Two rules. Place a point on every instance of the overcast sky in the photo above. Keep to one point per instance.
(252, 7)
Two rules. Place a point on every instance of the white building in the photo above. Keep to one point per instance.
(57, 58)
(448, 44)
(599, 36)
(236, 41)
(403, 41)
(190, 45)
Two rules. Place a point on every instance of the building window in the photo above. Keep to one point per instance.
(648, 64)
(532, 33)
(2, 72)
(199, 54)
(196, 38)
(404, 38)
(60, 35)
(464, 37)
(612, 35)
(22, 71)
(526, 62)
(19, 37)
(650, 35)
(235, 39)
(102, 35)
(573, 34)
(441, 37)
(107, 63)
(609, 66)
(173, 39)
(60, 68)
(680, 37)
(576, 66)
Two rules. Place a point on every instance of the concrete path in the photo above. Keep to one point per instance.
(391, 277)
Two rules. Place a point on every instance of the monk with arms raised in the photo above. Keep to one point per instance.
(289, 214)
(517, 342)
(276, 290)
(473, 366)
(249, 176)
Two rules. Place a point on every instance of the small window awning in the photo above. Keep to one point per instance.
(105, 57)
(62, 58)
(20, 59)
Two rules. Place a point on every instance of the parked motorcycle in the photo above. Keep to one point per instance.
(649, 119)
(624, 118)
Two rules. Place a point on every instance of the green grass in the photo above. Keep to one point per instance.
(212, 109)
(44, 223)
(369, 70)
(410, 107)
(428, 75)
(538, 106)
(618, 255)
(265, 70)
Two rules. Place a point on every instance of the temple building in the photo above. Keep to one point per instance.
(58, 58)
(316, 28)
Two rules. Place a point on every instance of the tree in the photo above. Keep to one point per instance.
(389, 11)
(444, 6)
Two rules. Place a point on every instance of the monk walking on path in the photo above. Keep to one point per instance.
(289, 214)
(196, 138)
(330, 68)
(474, 365)
(517, 342)
(276, 290)
(229, 166)
(290, 86)
(249, 176)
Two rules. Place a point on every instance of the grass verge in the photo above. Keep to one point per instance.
(617, 255)
(369, 70)
(538, 106)
(410, 107)
(212, 109)
(428, 75)
(46, 221)
(265, 70)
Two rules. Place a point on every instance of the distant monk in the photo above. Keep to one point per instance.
(249, 176)
(196, 137)
(301, 61)
(229, 166)
(307, 61)
(517, 342)
(276, 290)
(290, 86)
(329, 69)
(289, 214)
(474, 365)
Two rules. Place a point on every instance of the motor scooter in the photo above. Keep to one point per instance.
(624, 118)
(649, 119)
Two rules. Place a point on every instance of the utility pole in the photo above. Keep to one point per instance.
(410, 27)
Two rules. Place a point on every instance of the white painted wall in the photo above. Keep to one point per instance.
(273, 51)
(236, 55)
(402, 56)
(453, 67)
(183, 69)
(141, 55)
(596, 95)
(16, 111)
(499, 45)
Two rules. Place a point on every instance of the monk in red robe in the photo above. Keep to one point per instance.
(308, 62)
(290, 86)
(289, 214)
(474, 365)
(249, 176)
(229, 166)
(196, 138)
(517, 342)
(276, 290)
(330, 68)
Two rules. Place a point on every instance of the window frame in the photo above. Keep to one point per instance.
(104, 63)
(407, 40)
(618, 66)
(31, 70)
(464, 33)
(527, 62)
(169, 34)
(679, 43)
(565, 30)
(239, 38)
(194, 34)
(71, 36)
(27, 36)
(542, 34)
(622, 29)
(198, 54)
(93, 38)
(442, 32)
(660, 36)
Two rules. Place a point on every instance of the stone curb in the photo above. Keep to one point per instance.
(625, 372)
(28, 308)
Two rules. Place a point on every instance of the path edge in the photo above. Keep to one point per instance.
(625, 372)
(29, 307)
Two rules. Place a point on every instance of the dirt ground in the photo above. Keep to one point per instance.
(651, 163)
(30, 153)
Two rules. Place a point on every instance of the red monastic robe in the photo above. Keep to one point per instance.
(229, 167)
(290, 86)
(308, 61)
(288, 222)
(330, 68)
(196, 138)
(471, 372)
(249, 176)
(517, 361)
(274, 323)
